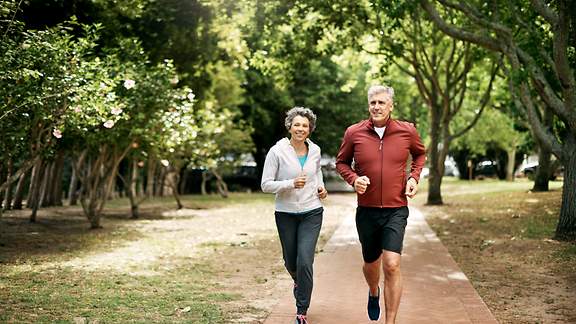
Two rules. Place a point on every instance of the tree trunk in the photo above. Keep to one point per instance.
(150, 176)
(79, 182)
(98, 181)
(8, 196)
(566, 229)
(110, 191)
(220, 184)
(45, 185)
(183, 177)
(140, 186)
(203, 184)
(131, 190)
(542, 176)
(93, 215)
(173, 178)
(33, 188)
(434, 177)
(160, 182)
(19, 194)
(57, 191)
(510, 166)
(3, 189)
(33, 200)
(73, 188)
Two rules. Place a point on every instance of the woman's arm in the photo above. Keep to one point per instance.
(319, 173)
(269, 183)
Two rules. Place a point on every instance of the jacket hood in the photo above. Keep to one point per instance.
(284, 143)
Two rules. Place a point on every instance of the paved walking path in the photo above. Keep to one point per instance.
(435, 289)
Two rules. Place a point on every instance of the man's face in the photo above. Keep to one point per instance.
(380, 106)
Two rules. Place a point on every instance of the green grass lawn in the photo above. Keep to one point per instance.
(37, 284)
(497, 231)
(501, 234)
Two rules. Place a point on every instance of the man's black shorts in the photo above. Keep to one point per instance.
(380, 229)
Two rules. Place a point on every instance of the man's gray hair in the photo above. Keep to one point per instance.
(303, 112)
(377, 89)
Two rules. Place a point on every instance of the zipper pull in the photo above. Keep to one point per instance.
(380, 147)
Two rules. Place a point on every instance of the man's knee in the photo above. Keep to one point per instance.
(391, 265)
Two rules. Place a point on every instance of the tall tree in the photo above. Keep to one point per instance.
(450, 75)
(537, 38)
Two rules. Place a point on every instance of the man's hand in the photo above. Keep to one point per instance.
(411, 188)
(300, 181)
(360, 184)
(322, 192)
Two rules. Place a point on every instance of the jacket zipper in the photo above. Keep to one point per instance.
(301, 170)
(381, 166)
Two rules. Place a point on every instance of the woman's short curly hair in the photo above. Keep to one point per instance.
(300, 111)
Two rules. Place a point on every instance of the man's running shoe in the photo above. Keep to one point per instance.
(374, 306)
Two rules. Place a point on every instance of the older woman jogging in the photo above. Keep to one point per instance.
(292, 172)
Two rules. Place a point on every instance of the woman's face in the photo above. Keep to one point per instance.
(300, 128)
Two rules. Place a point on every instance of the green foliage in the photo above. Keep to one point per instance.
(40, 74)
(493, 128)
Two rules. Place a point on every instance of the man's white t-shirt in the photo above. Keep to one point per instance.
(380, 131)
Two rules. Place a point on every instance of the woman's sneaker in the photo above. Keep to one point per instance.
(374, 306)
(301, 319)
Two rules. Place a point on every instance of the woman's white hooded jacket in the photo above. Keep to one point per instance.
(282, 167)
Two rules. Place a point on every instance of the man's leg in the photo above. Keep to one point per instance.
(392, 284)
(372, 275)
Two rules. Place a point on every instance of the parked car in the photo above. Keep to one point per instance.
(486, 169)
(450, 169)
(529, 171)
(244, 177)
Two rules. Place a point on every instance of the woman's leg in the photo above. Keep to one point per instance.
(287, 225)
(308, 232)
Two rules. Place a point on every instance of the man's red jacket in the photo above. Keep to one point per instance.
(383, 161)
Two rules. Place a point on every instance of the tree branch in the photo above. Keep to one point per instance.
(543, 10)
(477, 17)
(459, 33)
(483, 102)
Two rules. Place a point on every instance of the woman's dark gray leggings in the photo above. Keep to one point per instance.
(298, 236)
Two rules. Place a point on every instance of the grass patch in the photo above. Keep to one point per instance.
(41, 283)
(197, 201)
(567, 254)
(179, 295)
(501, 236)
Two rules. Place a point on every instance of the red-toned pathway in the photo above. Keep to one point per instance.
(435, 289)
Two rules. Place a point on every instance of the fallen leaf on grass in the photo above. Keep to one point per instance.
(486, 243)
(179, 311)
(80, 320)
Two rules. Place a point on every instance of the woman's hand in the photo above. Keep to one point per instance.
(300, 181)
(322, 192)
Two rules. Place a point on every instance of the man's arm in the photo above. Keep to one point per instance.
(344, 159)
(418, 152)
